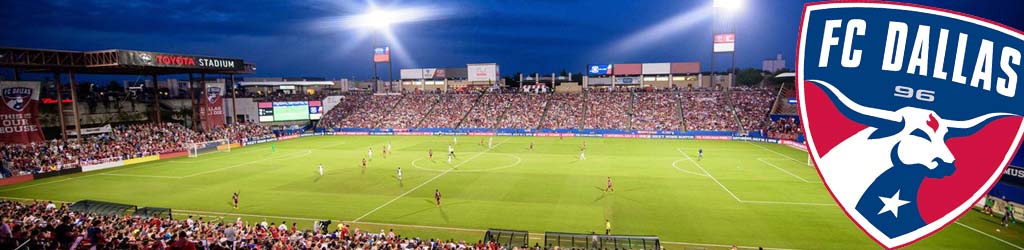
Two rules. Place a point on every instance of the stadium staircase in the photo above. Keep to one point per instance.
(471, 108)
(679, 110)
(419, 124)
(501, 117)
(377, 124)
(782, 105)
(544, 115)
(732, 109)
(582, 122)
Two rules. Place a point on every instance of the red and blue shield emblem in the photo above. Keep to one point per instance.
(911, 113)
(16, 98)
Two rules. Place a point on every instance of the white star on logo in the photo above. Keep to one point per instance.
(892, 204)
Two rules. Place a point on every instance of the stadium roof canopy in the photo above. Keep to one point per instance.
(116, 61)
(785, 75)
(284, 83)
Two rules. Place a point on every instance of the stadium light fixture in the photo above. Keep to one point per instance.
(381, 19)
(728, 5)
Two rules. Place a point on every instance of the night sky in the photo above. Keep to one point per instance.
(303, 37)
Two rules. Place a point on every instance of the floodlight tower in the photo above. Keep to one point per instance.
(380, 22)
(724, 42)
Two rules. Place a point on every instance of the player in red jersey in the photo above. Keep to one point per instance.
(609, 187)
(531, 146)
(437, 197)
(430, 153)
(384, 149)
(364, 164)
(234, 197)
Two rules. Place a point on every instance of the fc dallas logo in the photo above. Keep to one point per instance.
(910, 112)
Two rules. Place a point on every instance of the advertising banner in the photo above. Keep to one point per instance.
(153, 59)
(599, 69)
(382, 54)
(656, 68)
(19, 116)
(725, 42)
(483, 72)
(211, 108)
(627, 80)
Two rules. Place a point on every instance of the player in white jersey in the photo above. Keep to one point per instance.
(321, 169)
(399, 173)
(455, 140)
(389, 147)
(490, 142)
(583, 156)
(449, 159)
(369, 154)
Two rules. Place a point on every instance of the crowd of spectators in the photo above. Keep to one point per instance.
(348, 105)
(488, 111)
(450, 110)
(369, 112)
(525, 111)
(563, 111)
(752, 107)
(696, 109)
(410, 110)
(656, 111)
(707, 110)
(607, 110)
(123, 142)
(45, 225)
(785, 128)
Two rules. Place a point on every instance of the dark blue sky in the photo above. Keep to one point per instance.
(295, 38)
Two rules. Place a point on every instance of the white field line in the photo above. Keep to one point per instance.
(709, 175)
(44, 183)
(143, 176)
(777, 152)
(684, 170)
(789, 203)
(783, 170)
(308, 152)
(990, 236)
(426, 182)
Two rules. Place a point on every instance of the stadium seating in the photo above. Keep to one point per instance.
(45, 225)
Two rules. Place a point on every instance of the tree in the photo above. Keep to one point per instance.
(749, 77)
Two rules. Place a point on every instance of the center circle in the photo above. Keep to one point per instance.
(440, 164)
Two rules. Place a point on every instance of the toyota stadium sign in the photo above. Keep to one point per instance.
(153, 59)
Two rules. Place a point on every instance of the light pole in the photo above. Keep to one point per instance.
(731, 7)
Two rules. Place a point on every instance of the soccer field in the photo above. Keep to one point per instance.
(748, 194)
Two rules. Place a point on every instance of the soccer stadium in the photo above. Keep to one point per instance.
(189, 151)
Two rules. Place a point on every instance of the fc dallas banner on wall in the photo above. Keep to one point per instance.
(19, 116)
(211, 110)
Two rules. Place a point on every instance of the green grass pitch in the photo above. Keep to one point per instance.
(748, 194)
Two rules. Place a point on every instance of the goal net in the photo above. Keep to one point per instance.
(209, 147)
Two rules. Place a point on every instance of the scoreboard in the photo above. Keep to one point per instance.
(290, 111)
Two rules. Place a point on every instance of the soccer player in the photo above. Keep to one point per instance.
(455, 140)
(321, 169)
(607, 227)
(609, 187)
(369, 154)
(531, 146)
(389, 147)
(399, 173)
(583, 156)
(364, 163)
(430, 153)
(384, 152)
(437, 197)
(584, 144)
(490, 142)
(234, 197)
(481, 141)
(450, 158)
(700, 154)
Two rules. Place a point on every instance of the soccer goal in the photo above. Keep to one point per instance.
(222, 145)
